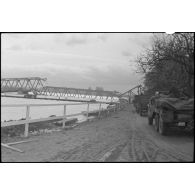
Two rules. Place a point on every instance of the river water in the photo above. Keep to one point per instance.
(15, 113)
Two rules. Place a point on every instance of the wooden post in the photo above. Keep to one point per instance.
(99, 110)
(107, 111)
(12, 148)
(64, 118)
(87, 110)
(27, 118)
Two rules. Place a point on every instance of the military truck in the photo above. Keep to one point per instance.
(141, 103)
(167, 112)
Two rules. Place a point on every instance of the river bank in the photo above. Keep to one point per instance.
(122, 136)
(15, 132)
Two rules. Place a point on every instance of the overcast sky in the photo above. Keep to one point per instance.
(75, 60)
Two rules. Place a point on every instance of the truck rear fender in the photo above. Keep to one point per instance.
(167, 115)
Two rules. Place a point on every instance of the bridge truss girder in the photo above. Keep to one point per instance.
(35, 85)
(73, 92)
(137, 90)
(21, 84)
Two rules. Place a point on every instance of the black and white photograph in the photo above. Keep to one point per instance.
(97, 97)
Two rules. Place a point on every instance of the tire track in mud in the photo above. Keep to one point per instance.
(137, 151)
(113, 153)
(132, 137)
(88, 152)
(96, 150)
(144, 149)
(105, 146)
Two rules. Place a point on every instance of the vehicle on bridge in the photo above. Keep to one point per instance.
(168, 111)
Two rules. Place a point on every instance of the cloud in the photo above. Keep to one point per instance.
(73, 59)
(103, 37)
(71, 39)
(126, 53)
(16, 47)
(75, 40)
(67, 70)
(113, 77)
(26, 41)
(43, 42)
(140, 39)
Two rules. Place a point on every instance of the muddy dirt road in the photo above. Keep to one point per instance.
(121, 137)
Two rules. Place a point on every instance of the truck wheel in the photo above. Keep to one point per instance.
(140, 113)
(150, 120)
(156, 122)
(162, 127)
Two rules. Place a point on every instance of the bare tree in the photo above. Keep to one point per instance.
(169, 62)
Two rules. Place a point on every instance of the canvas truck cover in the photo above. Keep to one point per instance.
(174, 103)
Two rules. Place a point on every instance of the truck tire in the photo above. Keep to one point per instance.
(140, 113)
(150, 120)
(162, 127)
(156, 122)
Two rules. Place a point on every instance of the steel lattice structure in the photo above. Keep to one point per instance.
(137, 90)
(21, 84)
(74, 92)
(35, 85)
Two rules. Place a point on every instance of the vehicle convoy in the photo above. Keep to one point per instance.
(141, 103)
(167, 112)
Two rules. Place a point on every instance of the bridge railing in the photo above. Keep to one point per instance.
(28, 120)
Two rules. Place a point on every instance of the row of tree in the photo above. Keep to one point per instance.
(97, 88)
(169, 64)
